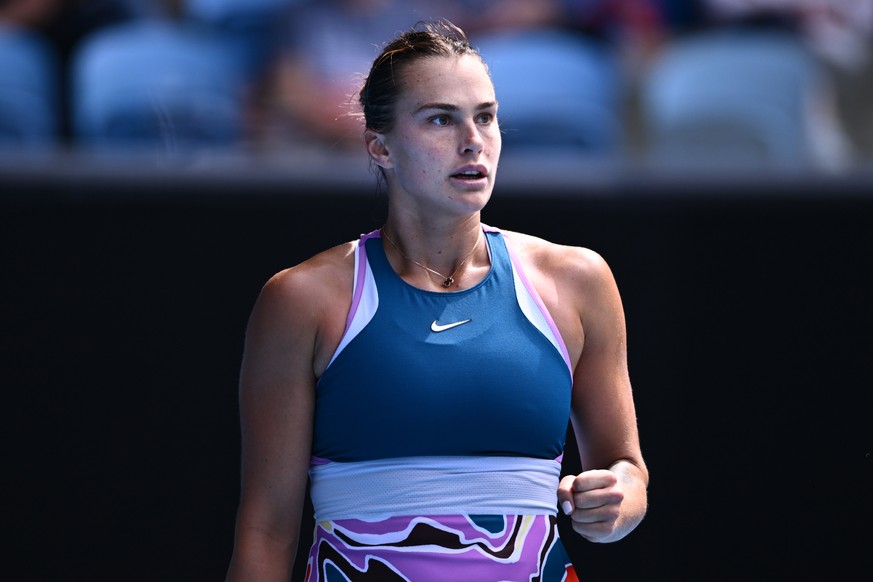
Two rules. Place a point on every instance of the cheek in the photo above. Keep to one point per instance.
(419, 158)
(495, 138)
(426, 158)
(416, 165)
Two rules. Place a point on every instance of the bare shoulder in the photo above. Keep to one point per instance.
(315, 277)
(579, 290)
(300, 313)
(304, 293)
(574, 265)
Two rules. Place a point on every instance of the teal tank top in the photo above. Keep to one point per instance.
(480, 371)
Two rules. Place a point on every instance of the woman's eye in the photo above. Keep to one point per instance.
(441, 120)
(486, 118)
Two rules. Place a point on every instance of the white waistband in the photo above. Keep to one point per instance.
(378, 489)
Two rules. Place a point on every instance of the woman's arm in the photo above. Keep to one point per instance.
(277, 400)
(608, 499)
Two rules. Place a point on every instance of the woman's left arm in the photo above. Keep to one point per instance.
(608, 499)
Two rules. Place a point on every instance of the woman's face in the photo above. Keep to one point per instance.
(443, 150)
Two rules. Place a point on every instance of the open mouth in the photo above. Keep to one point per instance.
(469, 175)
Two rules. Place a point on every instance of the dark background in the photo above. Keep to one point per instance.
(125, 296)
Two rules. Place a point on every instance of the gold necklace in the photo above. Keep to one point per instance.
(447, 281)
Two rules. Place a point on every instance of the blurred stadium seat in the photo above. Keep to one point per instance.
(157, 83)
(218, 10)
(29, 115)
(733, 97)
(250, 24)
(558, 90)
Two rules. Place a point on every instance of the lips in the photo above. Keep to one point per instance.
(471, 173)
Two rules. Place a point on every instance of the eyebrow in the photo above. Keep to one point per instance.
(450, 107)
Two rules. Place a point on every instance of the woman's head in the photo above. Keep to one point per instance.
(431, 117)
(381, 89)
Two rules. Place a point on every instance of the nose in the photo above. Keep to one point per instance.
(472, 141)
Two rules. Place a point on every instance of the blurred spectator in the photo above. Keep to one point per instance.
(838, 31)
(249, 24)
(328, 46)
(842, 34)
(28, 13)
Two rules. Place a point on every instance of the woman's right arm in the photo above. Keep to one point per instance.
(277, 401)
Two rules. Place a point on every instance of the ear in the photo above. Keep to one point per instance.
(377, 149)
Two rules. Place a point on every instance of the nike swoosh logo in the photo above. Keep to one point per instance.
(438, 328)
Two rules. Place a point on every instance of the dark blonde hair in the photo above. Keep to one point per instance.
(382, 88)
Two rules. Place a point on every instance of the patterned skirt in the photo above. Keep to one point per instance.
(440, 548)
(473, 519)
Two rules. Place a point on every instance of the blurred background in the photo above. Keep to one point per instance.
(779, 83)
(160, 159)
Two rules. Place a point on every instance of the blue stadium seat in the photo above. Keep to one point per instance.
(217, 10)
(157, 84)
(250, 24)
(556, 90)
(732, 97)
(29, 114)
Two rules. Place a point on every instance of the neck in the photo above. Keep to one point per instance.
(442, 259)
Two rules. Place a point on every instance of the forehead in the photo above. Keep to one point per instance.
(456, 80)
